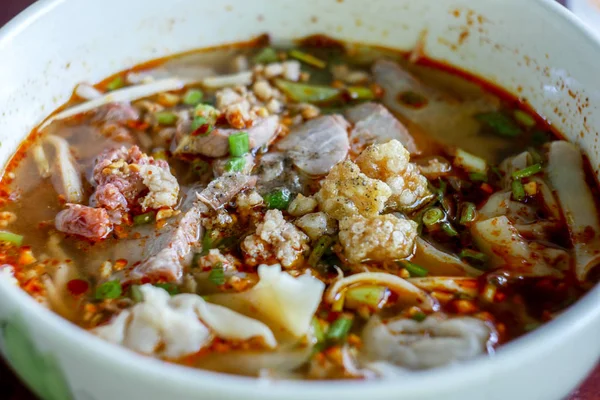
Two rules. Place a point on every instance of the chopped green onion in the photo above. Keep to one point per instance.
(419, 316)
(201, 122)
(449, 229)
(360, 93)
(11, 238)
(318, 332)
(217, 274)
(304, 93)
(239, 144)
(235, 164)
(468, 213)
(432, 216)
(499, 124)
(307, 58)
(339, 329)
(200, 167)
(469, 162)
(518, 191)
(207, 243)
(136, 293)
(165, 118)
(412, 99)
(279, 199)
(207, 111)
(478, 177)
(196, 260)
(169, 287)
(524, 118)
(109, 290)
(369, 295)
(442, 189)
(527, 172)
(143, 219)
(472, 255)
(116, 83)
(321, 246)
(266, 56)
(193, 97)
(414, 269)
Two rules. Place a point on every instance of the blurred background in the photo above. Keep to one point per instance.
(10, 387)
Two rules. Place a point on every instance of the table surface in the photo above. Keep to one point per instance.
(12, 389)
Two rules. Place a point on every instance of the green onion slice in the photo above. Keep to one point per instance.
(10, 237)
(217, 274)
(116, 83)
(524, 118)
(239, 144)
(136, 293)
(235, 164)
(472, 255)
(278, 199)
(527, 172)
(432, 216)
(339, 329)
(143, 219)
(369, 295)
(305, 93)
(468, 213)
(307, 58)
(266, 56)
(193, 97)
(360, 93)
(109, 290)
(319, 249)
(518, 191)
(165, 118)
(449, 229)
(413, 269)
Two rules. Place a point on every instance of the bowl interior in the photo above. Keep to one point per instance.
(528, 49)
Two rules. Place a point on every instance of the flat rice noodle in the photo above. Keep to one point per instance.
(567, 177)
(284, 303)
(255, 363)
(434, 342)
(125, 95)
(507, 249)
(463, 286)
(406, 291)
(65, 177)
(501, 204)
(440, 263)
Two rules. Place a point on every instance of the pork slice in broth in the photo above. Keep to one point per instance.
(373, 123)
(216, 143)
(317, 145)
(167, 252)
(446, 118)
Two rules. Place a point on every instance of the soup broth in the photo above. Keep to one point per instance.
(321, 210)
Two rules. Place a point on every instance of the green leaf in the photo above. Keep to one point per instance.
(304, 93)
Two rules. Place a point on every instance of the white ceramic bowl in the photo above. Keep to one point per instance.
(532, 48)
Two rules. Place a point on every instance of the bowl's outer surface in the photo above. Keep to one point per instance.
(532, 48)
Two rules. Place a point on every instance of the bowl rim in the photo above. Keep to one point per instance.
(577, 317)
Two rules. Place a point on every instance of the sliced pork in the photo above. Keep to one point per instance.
(317, 145)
